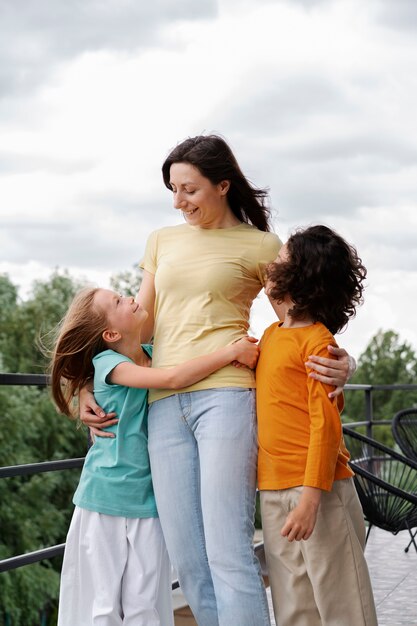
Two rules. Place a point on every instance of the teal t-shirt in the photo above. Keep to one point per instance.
(116, 477)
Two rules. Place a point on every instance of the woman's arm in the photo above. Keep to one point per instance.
(130, 375)
(146, 297)
(332, 371)
(92, 415)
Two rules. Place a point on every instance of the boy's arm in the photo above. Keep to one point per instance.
(325, 433)
(323, 450)
(301, 520)
(335, 372)
(130, 375)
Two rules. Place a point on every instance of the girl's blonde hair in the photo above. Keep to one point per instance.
(78, 340)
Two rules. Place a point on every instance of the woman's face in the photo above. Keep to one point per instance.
(202, 203)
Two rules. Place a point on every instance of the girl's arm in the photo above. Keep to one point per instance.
(146, 297)
(130, 375)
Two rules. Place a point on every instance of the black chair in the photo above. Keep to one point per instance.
(386, 483)
(404, 429)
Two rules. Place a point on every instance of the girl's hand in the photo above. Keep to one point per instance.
(247, 352)
(93, 416)
(300, 522)
(331, 371)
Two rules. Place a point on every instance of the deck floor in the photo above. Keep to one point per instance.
(394, 579)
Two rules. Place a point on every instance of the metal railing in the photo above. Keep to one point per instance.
(37, 380)
(368, 390)
(40, 380)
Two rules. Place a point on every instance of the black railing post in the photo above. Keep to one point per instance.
(369, 415)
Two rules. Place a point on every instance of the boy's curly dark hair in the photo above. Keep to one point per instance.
(323, 276)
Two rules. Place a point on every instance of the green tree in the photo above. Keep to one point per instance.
(36, 317)
(35, 510)
(387, 360)
(8, 307)
(127, 283)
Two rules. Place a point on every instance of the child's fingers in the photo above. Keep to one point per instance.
(295, 531)
(289, 530)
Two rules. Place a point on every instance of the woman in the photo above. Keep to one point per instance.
(200, 279)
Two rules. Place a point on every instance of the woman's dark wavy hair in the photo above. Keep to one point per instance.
(211, 155)
(323, 277)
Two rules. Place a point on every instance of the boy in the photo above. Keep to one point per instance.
(312, 520)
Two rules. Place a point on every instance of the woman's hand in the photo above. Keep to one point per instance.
(247, 352)
(93, 415)
(331, 371)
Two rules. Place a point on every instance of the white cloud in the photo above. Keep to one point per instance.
(317, 99)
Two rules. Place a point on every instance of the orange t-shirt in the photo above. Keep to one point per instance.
(299, 427)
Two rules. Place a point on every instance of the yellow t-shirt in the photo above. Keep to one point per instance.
(205, 282)
(299, 428)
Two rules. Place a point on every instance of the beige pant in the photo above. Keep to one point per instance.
(323, 581)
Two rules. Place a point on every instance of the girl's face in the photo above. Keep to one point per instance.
(202, 203)
(124, 315)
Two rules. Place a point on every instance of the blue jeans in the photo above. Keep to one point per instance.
(203, 451)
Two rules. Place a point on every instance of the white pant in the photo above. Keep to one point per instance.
(115, 572)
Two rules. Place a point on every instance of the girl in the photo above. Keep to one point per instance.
(116, 569)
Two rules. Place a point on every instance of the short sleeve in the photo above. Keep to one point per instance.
(104, 363)
(149, 261)
(270, 246)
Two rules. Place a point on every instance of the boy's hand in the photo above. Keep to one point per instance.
(247, 352)
(300, 522)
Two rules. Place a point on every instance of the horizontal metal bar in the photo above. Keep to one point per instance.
(353, 387)
(367, 423)
(37, 468)
(38, 380)
(31, 557)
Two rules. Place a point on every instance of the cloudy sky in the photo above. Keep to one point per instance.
(317, 98)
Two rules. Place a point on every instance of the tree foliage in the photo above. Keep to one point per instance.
(387, 360)
(35, 510)
(127, 283)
